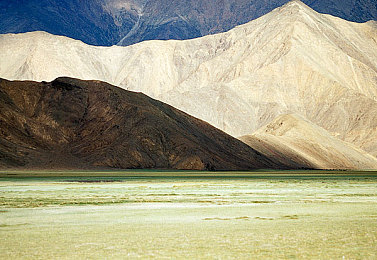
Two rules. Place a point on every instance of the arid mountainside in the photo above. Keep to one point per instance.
(292, 60)
(295, 141)
(110, 22)
(70, 123)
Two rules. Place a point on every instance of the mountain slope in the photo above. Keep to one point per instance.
(292, 60)
(351, 10)
(188, 19)
(297, 142)
(94, 22)
(70, 123)
(108, 22)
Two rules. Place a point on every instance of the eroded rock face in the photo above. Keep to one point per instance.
(300, 143)
(70, 123)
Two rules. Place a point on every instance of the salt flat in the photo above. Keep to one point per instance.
(246, 216)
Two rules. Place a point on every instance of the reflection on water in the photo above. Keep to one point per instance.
(322, 216)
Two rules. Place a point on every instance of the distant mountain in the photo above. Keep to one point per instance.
(91, 21)
(189, 19)
(124, 22)
(351, 10)
(292, 60)
(296, 141)
(70, 123)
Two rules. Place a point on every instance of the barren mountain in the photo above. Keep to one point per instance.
(295, 141)
(70, 123)
(108, 22)
(292, 60)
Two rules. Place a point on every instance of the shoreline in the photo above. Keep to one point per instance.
(182, 173)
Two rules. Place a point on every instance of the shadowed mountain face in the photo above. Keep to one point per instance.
(70, 123)
(109, 22)
(90, 21)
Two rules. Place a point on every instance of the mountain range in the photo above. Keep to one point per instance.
(299, 87)
(70, 123)
(124, 22)
(292, 60)
(75, 124)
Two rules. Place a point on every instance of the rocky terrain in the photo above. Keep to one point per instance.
(125, 22)
(296, 141)
(292, 60)
(69, 123)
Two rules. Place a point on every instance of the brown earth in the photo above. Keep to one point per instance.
(70, 123)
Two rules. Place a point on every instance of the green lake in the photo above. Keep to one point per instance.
(189, 215)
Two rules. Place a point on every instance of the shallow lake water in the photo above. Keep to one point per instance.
(246, 216)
